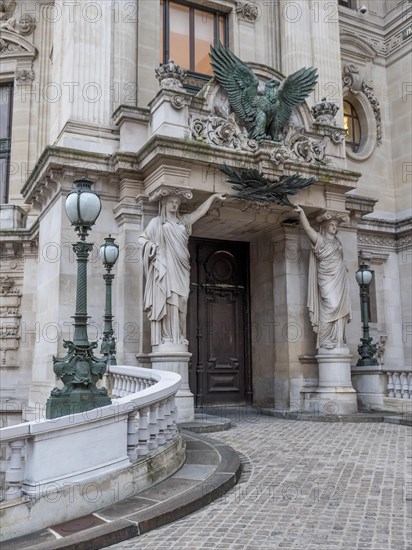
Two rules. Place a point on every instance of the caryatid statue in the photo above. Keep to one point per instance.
(167, 268)
(328, 285)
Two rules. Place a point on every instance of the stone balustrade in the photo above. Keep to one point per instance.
(399, 384)
(104, 446)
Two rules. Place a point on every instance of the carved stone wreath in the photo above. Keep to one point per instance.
(300, 147)
(222, 132)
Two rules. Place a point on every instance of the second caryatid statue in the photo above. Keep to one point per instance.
(165, 251)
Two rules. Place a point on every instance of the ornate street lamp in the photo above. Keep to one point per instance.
(79, 370)
(366, 349)
(109, 252)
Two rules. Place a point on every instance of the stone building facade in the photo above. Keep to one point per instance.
(80, 98)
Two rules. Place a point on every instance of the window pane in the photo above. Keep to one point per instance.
(204, 31)
(222, 29)
(356, 131)
(162, 46)
(4, 177)
(179, 35)
(5, 99)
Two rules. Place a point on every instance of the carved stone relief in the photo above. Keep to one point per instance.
(10, 297)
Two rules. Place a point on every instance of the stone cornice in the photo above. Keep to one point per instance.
(80, 162)
(384, 235)
(150, 156)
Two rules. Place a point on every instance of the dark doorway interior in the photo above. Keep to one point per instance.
(218, 322)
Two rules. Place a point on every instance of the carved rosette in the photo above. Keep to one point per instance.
(165, 191)
(177, 102)
(247, 11)
(170, 75)
(324, 112)
(10, 300)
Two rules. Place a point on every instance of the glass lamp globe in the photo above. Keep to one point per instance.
(363, 275)
(109, 251)
(83, 205)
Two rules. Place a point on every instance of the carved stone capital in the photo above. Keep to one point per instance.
(327, 215)
(165, 191)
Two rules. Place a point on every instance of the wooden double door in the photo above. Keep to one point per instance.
(218, 322)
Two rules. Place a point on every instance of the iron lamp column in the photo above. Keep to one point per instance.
(79, 370)
(109, 252)
(366, 349)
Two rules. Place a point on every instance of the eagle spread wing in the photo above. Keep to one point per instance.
(240, 83)
(252, 185)
(292, 91)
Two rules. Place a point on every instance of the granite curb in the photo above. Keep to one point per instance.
(193, 486)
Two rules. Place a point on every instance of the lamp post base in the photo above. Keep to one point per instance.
(80, 400)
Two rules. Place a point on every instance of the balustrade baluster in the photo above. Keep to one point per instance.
(410, 385)
(161, 438)
(143, 448)
(404, 385)
(173, 415)
(115, 385)
(391, 385)
(132, 437)
(397, 385)
(168, 420)
(153, 427)
(15, 472)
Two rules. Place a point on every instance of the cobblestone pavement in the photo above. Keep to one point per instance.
(305, 485)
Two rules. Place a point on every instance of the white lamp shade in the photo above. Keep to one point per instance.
(83, 208)
(363, 277)
(109, 253)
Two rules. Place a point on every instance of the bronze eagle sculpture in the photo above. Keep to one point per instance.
(251, 185)
(264, 115)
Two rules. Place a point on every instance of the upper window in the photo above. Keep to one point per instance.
(186, 33)
(6, 100)
(348, 3)
(352, 126)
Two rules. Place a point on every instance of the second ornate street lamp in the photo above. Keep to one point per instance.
(79, 370)
(109, 252)
(367, 349)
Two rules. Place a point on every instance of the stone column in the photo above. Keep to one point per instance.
(81, 91)
(289, 299)
(129, 314)
(310, 37)
(125, 27)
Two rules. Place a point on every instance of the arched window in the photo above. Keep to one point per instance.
(352, 126)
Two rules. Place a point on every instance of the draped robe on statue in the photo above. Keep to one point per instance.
(328, 293)
(167, 278)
